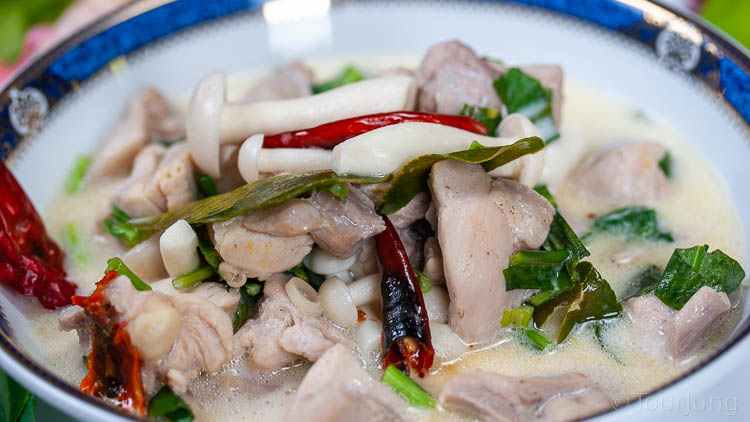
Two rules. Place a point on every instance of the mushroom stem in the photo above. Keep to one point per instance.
(253, 159)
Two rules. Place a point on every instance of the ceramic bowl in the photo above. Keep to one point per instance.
(673, 65)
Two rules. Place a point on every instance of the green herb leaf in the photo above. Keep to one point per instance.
(561, 236)
(731, 16)
(349, 74)
(425, 284)
(517, 317)
(118, 225)
(543, 270)
(690, 269)
(118, 266)
(522, 93)
(311, 277)
(592, 299)
(407, 388)
(74, 181)
(536, 338)
(644, 283)
(599, 328)
(209, 253)
(665, 164)
(632, 223)
(411, 178)
(193, 278)
(489, 117)
(16, 17)
(250, 294)
(166, 405)
(207, 185)
(16, 403)
(260, 194)
(73, 245)
(339, 190)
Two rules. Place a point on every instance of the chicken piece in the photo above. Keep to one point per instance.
(145, 260)
(338, 389)
(345, 223)
(666, 333)
(411, 212)
(293, 218)
(294, 80)
(175, 179)
(574, 406)
(528, 213)
(147, 118)
(257, 254)
(230, 172)
(451, 75)
(476, 243)
(280, 335)
(138, 196)
(498, 398)
(551, 76)
(622, 175)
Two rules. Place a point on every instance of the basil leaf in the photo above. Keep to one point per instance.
(592, 299)
(166, 405)
(632, 223)
(250, 295)
(522, 93)
(349, 74)
(543, 270)
(118, 266)
(411, 178)
(253, 196)
(690, 269)
(489, 117)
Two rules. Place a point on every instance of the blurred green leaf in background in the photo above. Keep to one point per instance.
(16, 404)
(733, 16)
(17, 16)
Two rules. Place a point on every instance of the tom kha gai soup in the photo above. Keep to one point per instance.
(446, 238)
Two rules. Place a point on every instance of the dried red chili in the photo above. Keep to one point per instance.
(113, 363)
(406, 328)
(331, 134)
(30, 262)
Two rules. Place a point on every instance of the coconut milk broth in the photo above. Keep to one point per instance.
(698, 210)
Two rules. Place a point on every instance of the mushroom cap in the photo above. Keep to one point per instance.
(203, 123)
(247, 158)
(337, 302)
(303, 296)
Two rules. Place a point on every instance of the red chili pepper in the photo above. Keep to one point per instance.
(406, 328)
(114, 364)
(331, 134)
(30, 262)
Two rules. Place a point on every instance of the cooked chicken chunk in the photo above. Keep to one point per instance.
(411, 212)
(257, 254)
(498, 398)
(621, 175)
(529, 214)
(293, 80)
(338, 389)
(293, 218)
(345, 223)
(148, 117)
(451, 75)
(145, 260)
(664, 332)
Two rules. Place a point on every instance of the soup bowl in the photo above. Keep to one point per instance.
(673, 65)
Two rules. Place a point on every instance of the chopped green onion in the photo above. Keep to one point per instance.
(425, 284)
(209, 253)
(313, 278)
(517, 317)
(248, 306)
(407, 388)
(339, 190)
(536, 338)
(475, 145)
(74, 181)
(118, 225)
(193, 278)
(349, 74)
(207, 186)
(166, 405)
(73, 244)
(118, 266)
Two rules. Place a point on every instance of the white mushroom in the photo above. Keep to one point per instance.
(448, 345)
(339, 301)
(324, 263)
(253, 159)
(303, 296)
(179, 249)
(211, 122)
(387, 148)
(369, 337)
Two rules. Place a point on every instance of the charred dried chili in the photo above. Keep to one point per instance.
(30, 262)
(331, 134)
(114, 364)
(406, 329)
